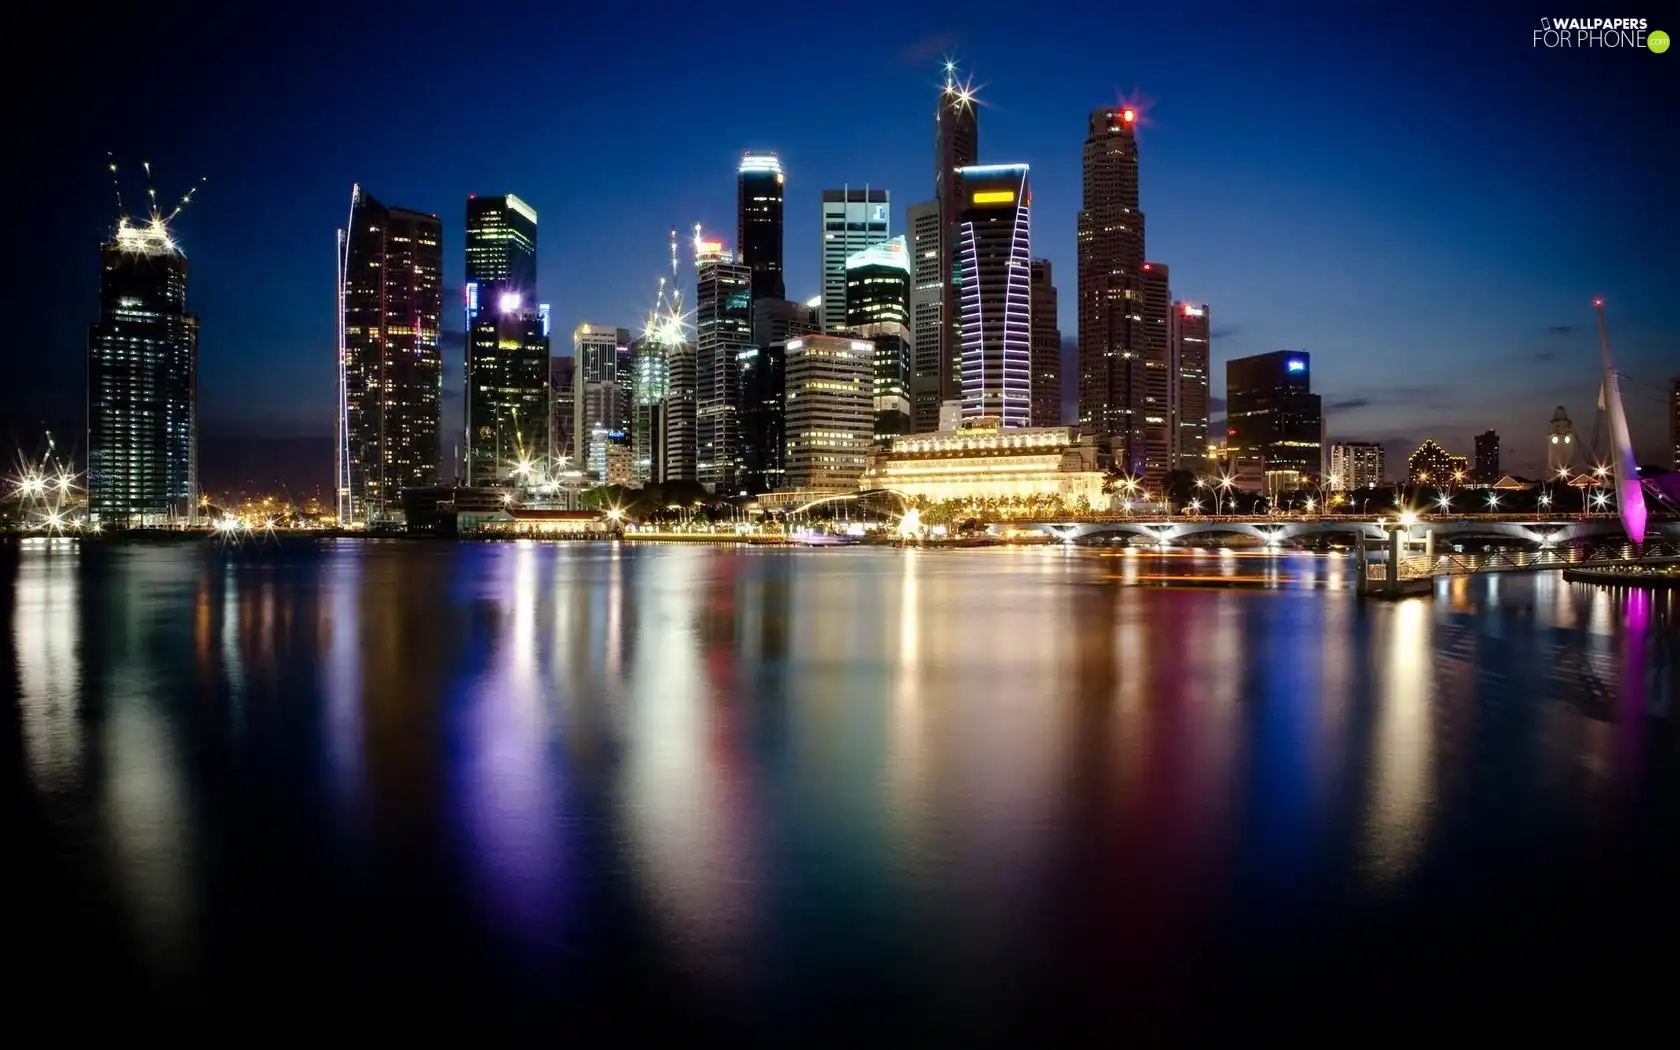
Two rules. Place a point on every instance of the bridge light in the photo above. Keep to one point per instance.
(1408, 519)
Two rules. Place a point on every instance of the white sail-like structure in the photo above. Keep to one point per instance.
(1630, 498)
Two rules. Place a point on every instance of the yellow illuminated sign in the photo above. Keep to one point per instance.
(995, 197)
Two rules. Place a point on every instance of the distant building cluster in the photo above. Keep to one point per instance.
(930, 361)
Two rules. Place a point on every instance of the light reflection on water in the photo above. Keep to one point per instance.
(770, 768)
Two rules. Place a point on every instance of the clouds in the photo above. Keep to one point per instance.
(1347, 404)
(925, 51)
(1560, 329)
(1224, 331)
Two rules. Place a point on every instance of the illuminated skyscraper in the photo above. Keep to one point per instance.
(829, 411)
(994, 292)
(1356, 465)
(723, 329)
(853, 219)
(601, 406)
(956, 144)
(758, 192)
(392, 382)
(927, 310)
(1190, 345)
(1273, 416)
(1159, 383)
(1046, 349)
(878, 309)
(506, 373)
(1112, 335)
(142, 383)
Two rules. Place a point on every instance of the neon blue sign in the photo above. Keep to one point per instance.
(1297, 365)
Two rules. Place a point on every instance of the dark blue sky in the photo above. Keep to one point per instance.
(1425, 202)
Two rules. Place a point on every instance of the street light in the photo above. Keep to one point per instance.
(1493, 500)
(1445, 503)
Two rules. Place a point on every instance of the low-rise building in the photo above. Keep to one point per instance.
(988, 462)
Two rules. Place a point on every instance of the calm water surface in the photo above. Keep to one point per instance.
(776, 793)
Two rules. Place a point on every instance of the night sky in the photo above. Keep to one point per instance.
(1425, 202)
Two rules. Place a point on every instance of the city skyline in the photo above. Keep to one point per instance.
(1396, 375)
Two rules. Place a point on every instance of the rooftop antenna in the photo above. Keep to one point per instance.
(673, 252)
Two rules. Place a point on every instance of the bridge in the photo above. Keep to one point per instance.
(1580, 540)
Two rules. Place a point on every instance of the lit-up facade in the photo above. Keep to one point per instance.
(994, 292)
(723, 328)
(142, 408)
(391, 385)
(759, 186)
(828, 412)
(1189, 341)
(991, 463)
(852, 219)
(1430, 464)
(601, 406)
(878, 309)
(1273, 417)
(506, 374)
(1356, 465)
(650, 384)
(1112, 335)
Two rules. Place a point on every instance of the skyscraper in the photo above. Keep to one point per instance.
(763, 377)
(1189, 349)
(506, 371)
(758, 232)
(1274, 416)
(994, 292)
(956, 144)
(1112, 380)
(142, 382)
(601, 405)
(1046, 349)
(562, 371)
(680, 448)
(853, 219)
(391, 381)
(1159, 383)
(723, 328)
(878, 309)
(1356, 465)
(1560, 444)
(1486, 468)
(650, 385)
(829, 411)
(927, 310)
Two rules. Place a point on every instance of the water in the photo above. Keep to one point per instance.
(778, 793)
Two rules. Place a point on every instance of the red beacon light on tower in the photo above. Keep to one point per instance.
(1128, 115)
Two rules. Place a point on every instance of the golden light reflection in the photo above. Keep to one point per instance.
(46, 630)
(682, 809)
(1397, 820)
